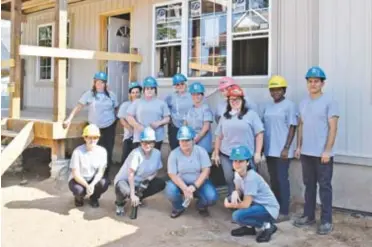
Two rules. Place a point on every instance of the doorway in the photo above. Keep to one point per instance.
(118, 40)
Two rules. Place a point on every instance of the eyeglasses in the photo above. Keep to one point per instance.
(235, 99)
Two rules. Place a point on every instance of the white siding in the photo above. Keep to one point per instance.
(345, 52)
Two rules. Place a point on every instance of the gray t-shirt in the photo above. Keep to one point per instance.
(315, 114)
(239, 132)
(144, 167)
(101, 108)
(255, 186)
(88, 163)
(277, 119)
(190, 167)
(147, 112)
(122, 113)
(178, 105)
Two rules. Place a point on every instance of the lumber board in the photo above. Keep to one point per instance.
(7, 63)
(29, 50)
(6, 15)
(16, 146)
(9, 133)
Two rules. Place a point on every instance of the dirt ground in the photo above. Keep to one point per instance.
(41, 213)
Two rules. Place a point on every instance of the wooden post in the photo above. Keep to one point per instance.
(15, 72)
(60, 67)
(60, 41)
(133, 67)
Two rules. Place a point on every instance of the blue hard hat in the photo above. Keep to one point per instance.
(148, 134)
(134, 84)
(185, 133)
(150, 82)
(315, 72)
(196, 87)
(100, 76)
(179, 78)
(240, 153)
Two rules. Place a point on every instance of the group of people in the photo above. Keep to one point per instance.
(243, 134)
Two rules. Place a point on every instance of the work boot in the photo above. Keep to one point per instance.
(282, 218)
(176, 213)
(94, 202)
(203, 211)
(325, 228)
(79, 201)
(303, 221)
(242, 231)
(120, 210)
(266, 234)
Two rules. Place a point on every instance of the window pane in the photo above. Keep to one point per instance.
(250, 16)
(168, 22)
(250, 57)
(206, 37)
(168, 61)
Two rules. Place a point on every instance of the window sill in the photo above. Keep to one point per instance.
(244, 81)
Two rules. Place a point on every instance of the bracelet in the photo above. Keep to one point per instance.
(196, 187)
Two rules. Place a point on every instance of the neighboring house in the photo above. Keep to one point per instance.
(285, 37)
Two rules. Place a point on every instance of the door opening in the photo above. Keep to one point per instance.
(118, 40)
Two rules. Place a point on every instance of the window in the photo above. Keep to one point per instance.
(250, 33)
(207, 38)
(46, 64)
(215, 38)
(168, 39)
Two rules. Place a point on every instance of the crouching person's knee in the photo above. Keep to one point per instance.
(76, 188)
(171, 191)
(237, 217)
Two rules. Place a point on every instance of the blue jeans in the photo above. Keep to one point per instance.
(255, 216)
(207, 195)
(228, 171)
(278, 169)
(313, 173)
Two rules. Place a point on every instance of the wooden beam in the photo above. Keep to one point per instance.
(58, 149)
(16, 146)
(60, 64)
(7, 63)
(5, 1)
(103, 20)
(133, 67)
(29, 50)
(203, 67)
(6, 15)
(15, 72)
(39, 5)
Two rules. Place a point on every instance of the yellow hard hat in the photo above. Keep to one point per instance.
(277, 81)
(91, 130)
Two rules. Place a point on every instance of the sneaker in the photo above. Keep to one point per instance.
(282, 218)
(303, 221)
(120, 210)
(242, 231)
(176, 213)
(203, 212)
(79, 201)
(325, 228)
(266, 234)
(94, 203)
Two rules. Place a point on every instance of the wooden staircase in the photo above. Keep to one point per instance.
(18, 142)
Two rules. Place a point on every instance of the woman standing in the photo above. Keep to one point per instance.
(200, 117)
(149, 111)
(102, 106)
(237, 126)
(224, 85)
(135, 90)
(179, 103)
(280, 123)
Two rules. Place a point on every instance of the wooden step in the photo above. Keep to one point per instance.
(9, 133)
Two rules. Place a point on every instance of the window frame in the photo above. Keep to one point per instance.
(38, 79)
(229, 40)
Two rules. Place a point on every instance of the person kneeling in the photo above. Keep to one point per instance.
(88, 164)
(189, 168)
(256, 204)
(138, 173)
